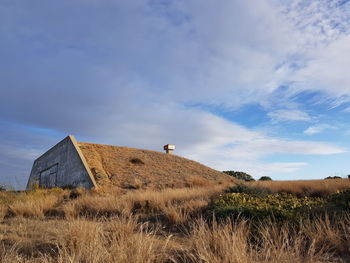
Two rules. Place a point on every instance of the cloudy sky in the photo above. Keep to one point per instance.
(261, 86)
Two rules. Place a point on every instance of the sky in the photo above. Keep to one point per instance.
(260, 86)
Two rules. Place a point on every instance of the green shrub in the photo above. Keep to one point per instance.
(278, 206)
(240, 175)
(255, 191)
(265, 178)
(340, 200)
(332, 177)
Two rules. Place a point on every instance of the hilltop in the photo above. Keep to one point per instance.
(136, 168)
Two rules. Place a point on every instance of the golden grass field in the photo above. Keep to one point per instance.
(305, 187)
(169, 225)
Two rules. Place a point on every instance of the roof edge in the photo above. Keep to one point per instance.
(82, 158)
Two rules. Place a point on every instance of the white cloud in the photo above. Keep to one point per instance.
(206, 138)
(327, 69)
(318, 129)
(289, 115)
(323, 55)
(243, 149)
(318, 21)
(119, 71)
(183, 51)
(214, 141)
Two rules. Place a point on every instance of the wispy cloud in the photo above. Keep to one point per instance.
(318, 128)
(289, 115)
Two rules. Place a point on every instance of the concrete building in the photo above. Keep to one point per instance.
(63, 165)
(72, 164)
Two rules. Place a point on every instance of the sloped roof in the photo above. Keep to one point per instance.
(136, 168)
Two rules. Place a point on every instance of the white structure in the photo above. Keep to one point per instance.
(169, 148)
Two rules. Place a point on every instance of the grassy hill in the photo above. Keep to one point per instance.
(135, 168)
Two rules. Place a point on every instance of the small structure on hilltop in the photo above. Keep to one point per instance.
(169, 148)
(72, 164)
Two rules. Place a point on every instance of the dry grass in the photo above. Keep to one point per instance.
(30, 204)
(175, 204)
(161, 226)
(234, 241)
(219, 243)
(113, 240)
(108, 241)
(122, 239)
(3, 212)
(33, 207)
(132, 168)
(304, 187)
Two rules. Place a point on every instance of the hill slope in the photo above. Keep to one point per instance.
(135, 168)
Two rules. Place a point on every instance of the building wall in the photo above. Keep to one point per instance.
(61, 166)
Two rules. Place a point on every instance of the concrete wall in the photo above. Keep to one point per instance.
(62, 165)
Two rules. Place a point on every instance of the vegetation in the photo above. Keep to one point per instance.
(248, 189)
(135, 169)
(265, 178)
(282, 207)
(332, 177)
(312, 188)
(136, 161)
(207, 224)
(240, 175)
(278, 206)
(340, 200)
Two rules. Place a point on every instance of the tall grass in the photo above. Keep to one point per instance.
(315, 188)
(3, 212)
(86, 241)
(121, 239)
(164, 226)
(113, 240)
(33, 207)
(219, 243)
(175, 204)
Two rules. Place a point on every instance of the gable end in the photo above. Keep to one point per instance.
(63, 165)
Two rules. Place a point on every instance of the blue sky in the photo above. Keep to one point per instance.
(261, 86)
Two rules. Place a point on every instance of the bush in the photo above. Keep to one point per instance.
(278, 206)
(340, 200)
(332, 177)
(254, 191)
(136, 161)
(265, 178)
(240, 175)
